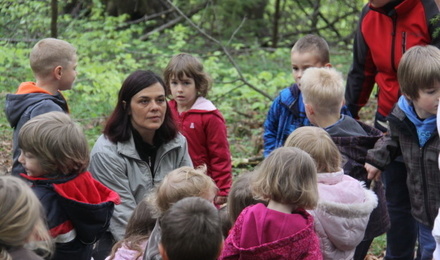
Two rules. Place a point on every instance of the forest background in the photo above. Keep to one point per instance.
(244, 45)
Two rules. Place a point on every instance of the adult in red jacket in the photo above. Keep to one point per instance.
(387, 28)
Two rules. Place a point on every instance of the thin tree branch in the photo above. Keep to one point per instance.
(146, 18)
(236, 30)
(171, 23)
(225, 51)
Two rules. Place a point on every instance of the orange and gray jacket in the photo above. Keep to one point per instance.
(29, 101)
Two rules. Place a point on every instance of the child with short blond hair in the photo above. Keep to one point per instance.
(55, 154)
(199, 120)
(287, 111)
(413, 134)
(191, 229)
(344, 205)
(53, 63)
(283, 229)
(323, 92)
(178, 184)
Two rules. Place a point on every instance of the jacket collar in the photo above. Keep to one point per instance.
(128, 147)
(391, 9)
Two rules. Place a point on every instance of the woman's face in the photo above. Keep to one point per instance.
(147, 110)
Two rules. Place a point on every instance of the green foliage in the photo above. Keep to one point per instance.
(109, 49)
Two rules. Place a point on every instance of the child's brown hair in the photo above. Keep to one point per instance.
(288, 176)
(57, 141)
(184, 64)
(191, 229)
(240, 196)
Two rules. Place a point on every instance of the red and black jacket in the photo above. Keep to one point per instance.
(382, 37)
(78, 210)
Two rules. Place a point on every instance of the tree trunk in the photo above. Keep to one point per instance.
(53, 23)
(275, 24)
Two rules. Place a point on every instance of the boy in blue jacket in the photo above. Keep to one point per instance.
(55, 155)
(287, 112)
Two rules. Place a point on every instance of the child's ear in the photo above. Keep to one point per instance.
(309, 109)
(58, 72)
(162, 252)
(328, 65)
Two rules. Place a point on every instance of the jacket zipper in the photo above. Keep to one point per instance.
(403, 42)
(425, 191)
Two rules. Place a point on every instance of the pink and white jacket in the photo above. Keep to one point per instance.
(205, 130)
(342, 214)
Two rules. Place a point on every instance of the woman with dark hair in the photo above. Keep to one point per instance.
(139, 146)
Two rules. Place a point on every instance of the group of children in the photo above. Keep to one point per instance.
(316, 195)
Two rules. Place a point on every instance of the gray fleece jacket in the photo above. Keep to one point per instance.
(119, 167)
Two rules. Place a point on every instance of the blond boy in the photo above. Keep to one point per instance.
(287, 110)
(53, 63)
(323, 93)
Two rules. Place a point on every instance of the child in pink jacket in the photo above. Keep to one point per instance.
(344, 205)
(283, 229)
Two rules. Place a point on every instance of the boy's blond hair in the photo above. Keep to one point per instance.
(418, 69)
(49, 53)
(288, 176)
(323, 88)
(313, 44)
(57, 142)
(181, 183)
(318, 143)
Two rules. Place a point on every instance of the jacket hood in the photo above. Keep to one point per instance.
(281, 248)
(88, 203)
(201, 105)
(346, 198)
(28, 94)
